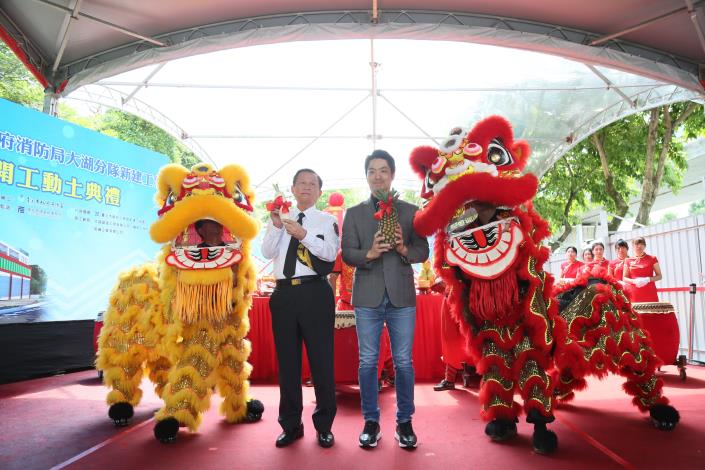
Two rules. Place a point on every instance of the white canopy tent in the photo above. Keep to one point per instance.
(277, 91)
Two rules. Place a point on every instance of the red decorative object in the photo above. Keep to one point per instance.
(385, 207)
(280, 204)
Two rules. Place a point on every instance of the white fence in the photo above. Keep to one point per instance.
(678, 245)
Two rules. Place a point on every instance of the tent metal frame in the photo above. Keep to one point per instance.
(363, 22)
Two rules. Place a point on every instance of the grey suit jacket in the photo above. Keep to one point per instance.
(388, 271)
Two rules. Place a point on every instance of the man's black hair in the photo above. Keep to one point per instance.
(383, 155)
(622, 243)
(575, 250)
(308, 170)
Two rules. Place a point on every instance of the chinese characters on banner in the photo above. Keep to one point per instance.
(76, 206)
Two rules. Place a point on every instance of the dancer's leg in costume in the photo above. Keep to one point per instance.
(127, 335)
(534, 383)
(159, 373)
(188, 391)
(233, 372)
(497, 386)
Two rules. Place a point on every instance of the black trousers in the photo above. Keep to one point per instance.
(304, 312)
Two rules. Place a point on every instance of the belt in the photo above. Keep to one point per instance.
(295, 281)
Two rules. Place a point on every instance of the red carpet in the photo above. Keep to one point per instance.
(62, 422)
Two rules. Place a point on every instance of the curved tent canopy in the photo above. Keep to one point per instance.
(585, 65)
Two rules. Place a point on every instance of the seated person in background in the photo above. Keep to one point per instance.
(571, 267)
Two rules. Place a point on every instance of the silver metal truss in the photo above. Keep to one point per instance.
(696, 23)
(362, 24)
(106, 96)
(645, 100)
(144, 82)
(71, 17)
(225, 86)
(75, 14)
(610, 85)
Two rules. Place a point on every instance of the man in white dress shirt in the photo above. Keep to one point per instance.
(303, 244)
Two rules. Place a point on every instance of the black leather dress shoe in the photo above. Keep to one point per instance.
(444, 385)
(325, 439)
(288, 437)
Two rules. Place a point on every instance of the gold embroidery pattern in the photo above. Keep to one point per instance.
(531, 369)
(493, 375)
(538, 305)
(491, 349)
(537, 394)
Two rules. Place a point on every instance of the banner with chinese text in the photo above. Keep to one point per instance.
(75, 210)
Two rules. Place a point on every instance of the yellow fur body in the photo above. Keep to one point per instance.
(185, 328)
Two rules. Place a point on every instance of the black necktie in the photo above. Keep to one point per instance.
(290, 260)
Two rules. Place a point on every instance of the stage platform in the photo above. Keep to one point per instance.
(61, 422)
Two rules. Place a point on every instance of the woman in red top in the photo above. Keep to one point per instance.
(616, 266)
(570, 268)
(598, 253)
(597, 264)
(641, 272)
(587, 256)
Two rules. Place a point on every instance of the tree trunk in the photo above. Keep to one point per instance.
(655, 168)
(622, 207)
(567, 228)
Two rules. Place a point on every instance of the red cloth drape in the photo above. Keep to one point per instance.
(426, 350)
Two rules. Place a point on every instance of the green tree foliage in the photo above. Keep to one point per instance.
(634, 156)
(16, 83)
(38, 281)
(19, 86)
(697, 207)
(137, 131)
(667, 217)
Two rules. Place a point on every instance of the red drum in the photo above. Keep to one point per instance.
(660, 320)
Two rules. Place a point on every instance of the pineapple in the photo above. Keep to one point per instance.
(387, 215)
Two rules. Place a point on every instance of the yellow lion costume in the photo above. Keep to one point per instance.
(183, 319)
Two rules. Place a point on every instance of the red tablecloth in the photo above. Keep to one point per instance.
(427, 343)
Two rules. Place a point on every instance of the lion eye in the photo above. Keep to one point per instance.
(497, 154)
(170, 199)
(454, 140)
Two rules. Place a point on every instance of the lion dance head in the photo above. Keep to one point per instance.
(206, 217)
(477, 174)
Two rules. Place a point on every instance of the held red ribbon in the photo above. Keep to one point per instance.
(280, 204)
(385, 208)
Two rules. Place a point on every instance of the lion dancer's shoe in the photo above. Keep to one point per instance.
(503, 354)
(544, 440)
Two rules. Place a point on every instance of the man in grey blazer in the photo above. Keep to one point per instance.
(384, 293)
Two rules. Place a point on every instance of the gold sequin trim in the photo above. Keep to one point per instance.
(493, 375)
(531, 369)
(491, 349)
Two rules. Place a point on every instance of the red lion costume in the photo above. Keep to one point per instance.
(488, 252)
